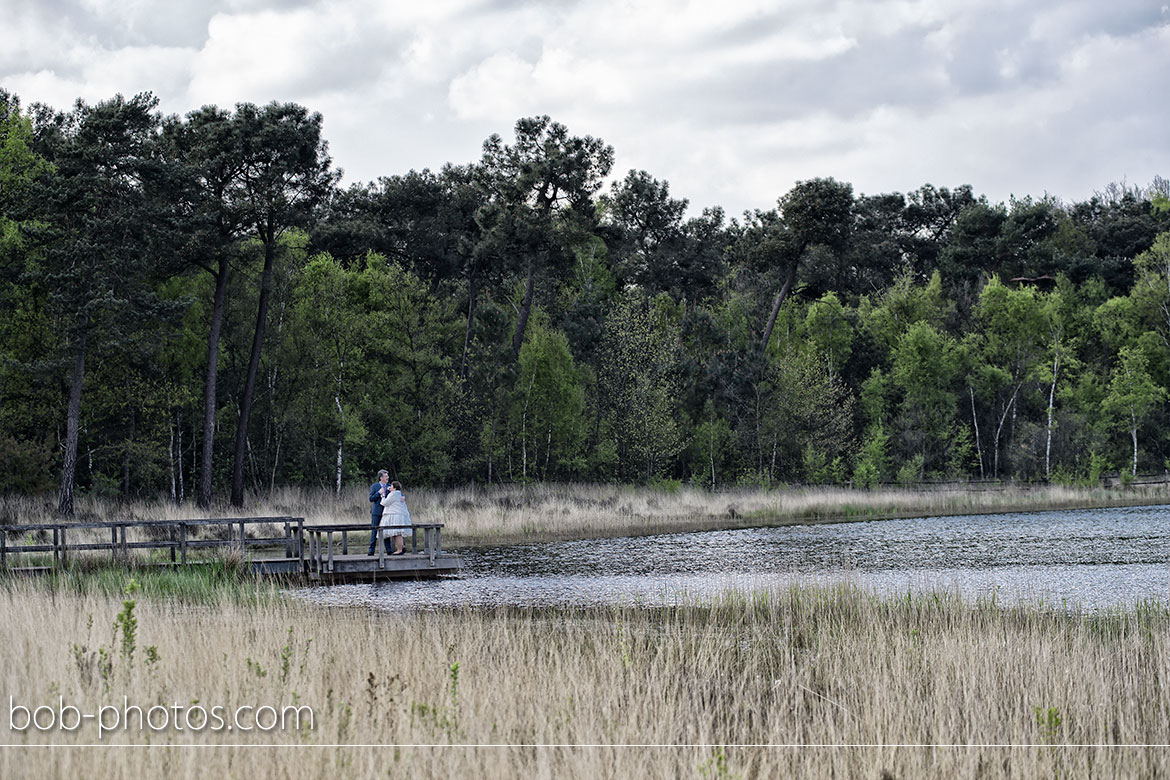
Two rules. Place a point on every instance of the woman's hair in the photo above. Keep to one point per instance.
(396, 485)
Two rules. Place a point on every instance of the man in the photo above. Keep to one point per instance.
(378, 490)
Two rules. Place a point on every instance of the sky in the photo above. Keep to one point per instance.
(731, 102)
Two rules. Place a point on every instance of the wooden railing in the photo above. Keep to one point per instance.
(322, 540)
(181, 537)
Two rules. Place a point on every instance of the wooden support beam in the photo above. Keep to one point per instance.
(300, 542)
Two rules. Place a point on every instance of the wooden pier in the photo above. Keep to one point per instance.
(279, 546)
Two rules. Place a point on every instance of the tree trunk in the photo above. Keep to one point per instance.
(253, 369)
(999, 429)
(975, 422)
(525, 310)
(179, 429)
(72, 423)
(1051, 408)
(789, 280)
(1133, 435)
(203, 499)
(471, 303)
(171, 460)
(126, 454)
(340, 429)
(340, 443)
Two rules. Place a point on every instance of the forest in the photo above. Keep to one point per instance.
(196, 307)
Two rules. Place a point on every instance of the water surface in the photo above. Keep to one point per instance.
(1089, 559)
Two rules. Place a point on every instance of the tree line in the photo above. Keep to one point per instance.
(196, 305)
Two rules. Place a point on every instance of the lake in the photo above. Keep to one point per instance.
(1090, 559)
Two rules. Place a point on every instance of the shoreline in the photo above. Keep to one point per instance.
(476, 516)
(649, 525)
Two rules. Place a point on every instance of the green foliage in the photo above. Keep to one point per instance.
(925, 370)
(548, 402)
(127, 624)
(1049, 721)
(911, 471)
(504, 321)
(1132, 395)
(711, 446)
(871, 464)
(830, 331)
(637, 385)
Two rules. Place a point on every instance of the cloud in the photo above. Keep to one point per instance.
(730, 102)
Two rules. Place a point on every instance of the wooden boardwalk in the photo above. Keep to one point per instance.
(268, 546)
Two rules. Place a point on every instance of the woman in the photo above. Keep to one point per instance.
(394, 512)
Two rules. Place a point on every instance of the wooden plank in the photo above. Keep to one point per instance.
(301, 541)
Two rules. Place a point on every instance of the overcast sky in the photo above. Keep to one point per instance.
(730, 101)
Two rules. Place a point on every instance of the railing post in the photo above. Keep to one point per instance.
(413, 540)
(56, 552)
(438, 541)
(242, 551)
(300, 541)
(380, 541)
(287, 539)
(344, 542)
(3, 549)
(330, 551)
(125, 549)
(172, 536)
(64, 551)
(431, 544)
(113, 543)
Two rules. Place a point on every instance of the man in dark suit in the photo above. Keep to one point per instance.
(378, 491)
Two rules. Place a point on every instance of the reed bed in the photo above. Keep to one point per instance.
(806, 681)
(485, 515)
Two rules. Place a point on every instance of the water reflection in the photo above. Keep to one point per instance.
(1090, 558)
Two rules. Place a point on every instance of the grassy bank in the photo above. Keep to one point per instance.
(793, 667)
(214, 583)
(478, 515)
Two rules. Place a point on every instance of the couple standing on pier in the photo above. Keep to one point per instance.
(387, 508)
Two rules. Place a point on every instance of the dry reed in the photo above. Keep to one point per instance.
(800, 673)
(476, 514)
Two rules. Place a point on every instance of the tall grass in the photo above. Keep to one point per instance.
(475, 514)
(218, 580)
(1021, 692)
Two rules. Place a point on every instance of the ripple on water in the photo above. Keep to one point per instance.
(1088, 558)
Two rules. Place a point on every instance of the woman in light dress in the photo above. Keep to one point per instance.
(394, 512)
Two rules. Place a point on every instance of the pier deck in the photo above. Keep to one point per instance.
(268, 546)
